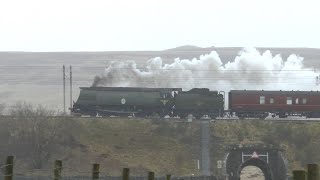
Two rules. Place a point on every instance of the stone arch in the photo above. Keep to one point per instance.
(260, 163)
(268, 159)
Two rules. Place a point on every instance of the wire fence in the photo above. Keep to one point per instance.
(60, 172)
(114, 178)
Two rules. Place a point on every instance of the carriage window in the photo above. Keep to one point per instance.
(304, 101)
(262, 99)
(297, 100)
(271, 100)
(289, 100)
(174, 93)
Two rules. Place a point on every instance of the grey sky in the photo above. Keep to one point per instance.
(104, 25)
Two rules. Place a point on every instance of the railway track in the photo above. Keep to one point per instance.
(290, 119)
(284, 120)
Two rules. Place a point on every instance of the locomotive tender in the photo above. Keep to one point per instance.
(142, 102)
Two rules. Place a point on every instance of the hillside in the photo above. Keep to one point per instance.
(226, 54)
(143, 145)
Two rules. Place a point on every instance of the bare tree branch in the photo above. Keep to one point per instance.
(38, 130)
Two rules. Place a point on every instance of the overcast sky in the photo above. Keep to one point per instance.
(105, 25)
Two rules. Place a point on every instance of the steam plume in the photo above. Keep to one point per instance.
(249, 70)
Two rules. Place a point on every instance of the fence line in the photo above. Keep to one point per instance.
(59, 172)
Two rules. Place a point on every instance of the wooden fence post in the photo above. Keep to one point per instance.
(95, 171)
(125, 174)
(150, 175)
(313, 172)
(168, 176)
(9, 168)
(57, 170)
(299, 175)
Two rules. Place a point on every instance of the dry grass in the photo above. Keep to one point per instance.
(142, 145)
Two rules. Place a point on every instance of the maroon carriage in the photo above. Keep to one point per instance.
(258, 104)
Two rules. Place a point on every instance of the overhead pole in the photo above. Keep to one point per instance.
(64, 88)
(70, 87)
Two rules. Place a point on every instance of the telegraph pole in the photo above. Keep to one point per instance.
(70, 87)
(64, 89)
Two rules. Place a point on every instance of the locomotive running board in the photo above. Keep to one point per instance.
(120, 112)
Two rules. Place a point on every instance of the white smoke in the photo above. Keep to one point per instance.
(250, 70)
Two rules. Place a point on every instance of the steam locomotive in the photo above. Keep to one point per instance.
(142, 102)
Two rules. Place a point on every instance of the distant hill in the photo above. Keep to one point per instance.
(185, 48)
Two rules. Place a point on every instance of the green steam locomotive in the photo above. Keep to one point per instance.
(143, 102)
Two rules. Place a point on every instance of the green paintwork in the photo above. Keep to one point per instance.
(198, 101)
(122, 96)
(132, 99)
